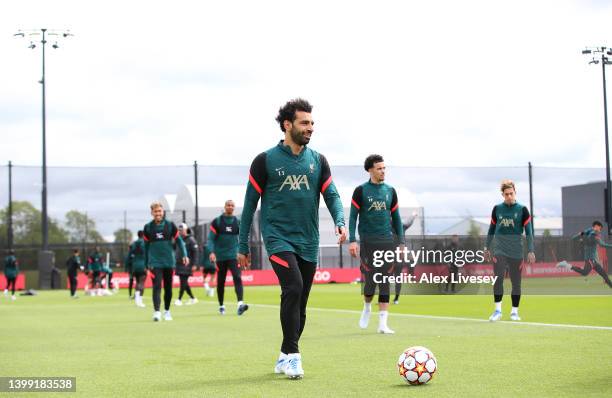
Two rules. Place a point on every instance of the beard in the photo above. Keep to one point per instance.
(298, 137)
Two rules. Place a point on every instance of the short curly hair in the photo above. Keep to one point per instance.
(371, 161)
(287, 111)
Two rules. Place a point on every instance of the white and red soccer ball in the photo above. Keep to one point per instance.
(417, 365)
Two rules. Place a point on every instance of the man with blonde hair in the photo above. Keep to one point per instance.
(160, 235)
(508, 221)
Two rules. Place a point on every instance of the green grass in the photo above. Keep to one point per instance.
(114, 349)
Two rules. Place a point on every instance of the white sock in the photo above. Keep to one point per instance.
(240, 303)
(498, 306)
(382, 318)
(222, 306)
(514, 310)
(367, 307)
(206, 286)
(294, 355)
(137, 295)
(282, 356)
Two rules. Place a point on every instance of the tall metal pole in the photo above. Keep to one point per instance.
(44, 33)
(197, 204)
(125, 239)
(604, 61)
(9, 234)
(45, 225)
(531, 198)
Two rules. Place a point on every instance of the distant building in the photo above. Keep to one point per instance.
(581, 205)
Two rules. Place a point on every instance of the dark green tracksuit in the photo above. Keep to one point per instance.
(377, 208)
(72, 267)
(591, 240)
(290, 187)
(223, 241)
(11, 270)
(159, 254)
(136, 262)
(184, 271)
(508, 222)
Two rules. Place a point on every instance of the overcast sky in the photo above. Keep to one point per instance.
(470, 83)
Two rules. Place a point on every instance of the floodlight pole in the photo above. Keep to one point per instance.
(45, 220)
(43, 34)
(605, 61)
(10, 207)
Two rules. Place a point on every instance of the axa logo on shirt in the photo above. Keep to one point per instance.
(159, 235)
(507, 222)
(228, 229)
(295, 183)
(378, 205)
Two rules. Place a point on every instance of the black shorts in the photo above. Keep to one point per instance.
(209, 270)
(374, 266)
(139, 274)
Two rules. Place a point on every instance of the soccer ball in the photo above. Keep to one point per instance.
(417, 365)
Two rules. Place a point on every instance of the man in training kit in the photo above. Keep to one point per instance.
(136, 259)
(11, 270)
(160, 235)
(591, 238)
(375, 204)
(94, 266)
(397, 270)
(453, 270)
(223, 247)
(184, 271)
(289, 178)
(508, 221)
(127, 267)
(72, 267)
(208, 270)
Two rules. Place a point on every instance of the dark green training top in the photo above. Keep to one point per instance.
(290, 187)
(591, 240)
(223, 237)
(73, 263)
(159, 244)
(377, 208)
(11, 267)
(94, 262)
(136, 258)
(507, 225)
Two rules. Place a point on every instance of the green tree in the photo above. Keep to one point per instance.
(123, 236)
(474, 241)
(82, 228)
(474, 231)
(27, 225)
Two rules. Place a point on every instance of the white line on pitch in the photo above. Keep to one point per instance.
(450, 318)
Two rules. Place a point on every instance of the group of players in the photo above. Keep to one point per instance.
(290, 179)
(163, 249)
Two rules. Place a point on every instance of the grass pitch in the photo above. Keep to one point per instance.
(563, 347)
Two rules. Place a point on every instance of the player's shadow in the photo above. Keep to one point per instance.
(409, 386)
